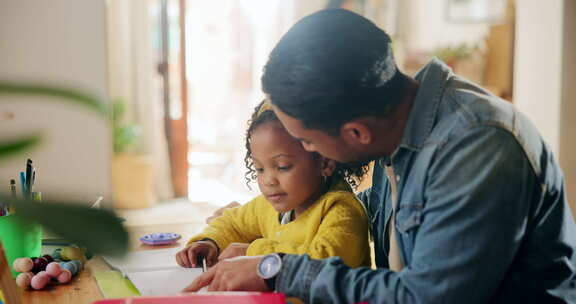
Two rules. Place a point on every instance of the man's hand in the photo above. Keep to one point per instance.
(236, 274)
(188, 256)
(219, 212)
(234, 250)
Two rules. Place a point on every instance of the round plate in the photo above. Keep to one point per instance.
(160, 238)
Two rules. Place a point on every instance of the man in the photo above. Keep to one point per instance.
(471, 197)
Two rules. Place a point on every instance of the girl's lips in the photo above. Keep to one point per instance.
(276, 197)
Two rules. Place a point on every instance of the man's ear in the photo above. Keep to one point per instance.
(356, 133)
(328, 166)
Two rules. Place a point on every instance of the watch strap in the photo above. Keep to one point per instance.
(271, 282)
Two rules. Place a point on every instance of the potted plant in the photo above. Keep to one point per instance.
(132, 172)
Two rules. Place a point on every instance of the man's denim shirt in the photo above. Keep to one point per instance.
(482, 214)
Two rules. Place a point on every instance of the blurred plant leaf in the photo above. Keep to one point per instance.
(457, 52)
(100, 231)
(62, 94)
(118, 110)
(126, 136)
(13, 147)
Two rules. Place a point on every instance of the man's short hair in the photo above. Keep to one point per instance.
(331, 67)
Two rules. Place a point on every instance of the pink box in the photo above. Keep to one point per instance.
(201, 298)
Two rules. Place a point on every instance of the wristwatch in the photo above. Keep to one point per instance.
(269, 267)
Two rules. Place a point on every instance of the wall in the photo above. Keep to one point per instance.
(60, 43)
(429, 28)
(567, 126)
(538, 63)
(544, 75)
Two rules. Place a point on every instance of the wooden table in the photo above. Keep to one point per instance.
(83, 289)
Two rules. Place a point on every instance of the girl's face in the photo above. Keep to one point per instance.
(288, 176)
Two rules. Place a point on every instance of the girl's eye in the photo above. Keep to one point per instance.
(284, 168)
(259, 170)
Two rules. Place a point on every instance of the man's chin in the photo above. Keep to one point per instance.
(353, 160)
(354, 164)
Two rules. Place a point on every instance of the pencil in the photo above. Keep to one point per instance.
(23, 185)
(7, 284)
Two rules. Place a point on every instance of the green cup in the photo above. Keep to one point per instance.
(20, 238)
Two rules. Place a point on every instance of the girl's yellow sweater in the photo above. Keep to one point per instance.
(335, 225)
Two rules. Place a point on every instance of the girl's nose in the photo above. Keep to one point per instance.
(270, 180)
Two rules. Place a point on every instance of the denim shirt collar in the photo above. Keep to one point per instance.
(432, 81)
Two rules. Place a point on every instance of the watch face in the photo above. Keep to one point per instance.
(270, 266)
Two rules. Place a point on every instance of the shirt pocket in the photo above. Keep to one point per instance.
(408, 220)
(408, 217)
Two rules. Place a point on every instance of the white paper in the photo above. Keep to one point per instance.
(145, 260)
(155, 272)
(163, 282)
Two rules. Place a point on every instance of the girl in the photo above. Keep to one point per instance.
(306, 206)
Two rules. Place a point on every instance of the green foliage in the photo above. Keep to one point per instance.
(454, 53)
(58, 94)
(98, 230)
(126, 136)
(14, 147)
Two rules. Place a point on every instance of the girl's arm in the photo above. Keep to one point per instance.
(236, 225)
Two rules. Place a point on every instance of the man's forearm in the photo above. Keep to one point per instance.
(331, 281)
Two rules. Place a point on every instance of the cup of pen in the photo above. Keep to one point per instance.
(20, 238)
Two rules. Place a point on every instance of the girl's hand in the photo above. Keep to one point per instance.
(219, 212)
(188, 256)
(234, 250)
(229, 275)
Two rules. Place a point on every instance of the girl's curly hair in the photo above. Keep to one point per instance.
(353, 173)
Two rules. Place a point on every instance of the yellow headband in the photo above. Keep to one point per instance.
(264, 107)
